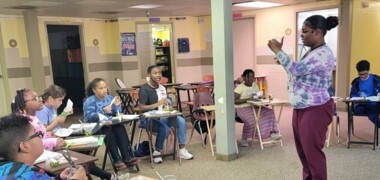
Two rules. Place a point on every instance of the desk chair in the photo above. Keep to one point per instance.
(120, 83)
(198, 116)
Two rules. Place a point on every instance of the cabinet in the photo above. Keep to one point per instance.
(162, 55)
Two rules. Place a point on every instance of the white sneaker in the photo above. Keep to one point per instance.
(120, 176)
(157, 160)
(275, 137)
(184, 154)
(244, 142)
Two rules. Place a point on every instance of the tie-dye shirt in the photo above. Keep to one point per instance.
(17, 170)
(309, 77)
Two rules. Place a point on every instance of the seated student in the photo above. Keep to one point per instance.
(366, 84)
(152, 95)
(20, 146)
(52, 98)
(268, 123)
(99, 101)
(27, 102)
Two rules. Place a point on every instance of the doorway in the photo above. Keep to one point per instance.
(155, 47)
(66, 62)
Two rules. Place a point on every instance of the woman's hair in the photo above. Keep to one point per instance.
(18, 105)
(322, 23)
(92, 85)
(13, 130)
(246, 73)
(54, 91)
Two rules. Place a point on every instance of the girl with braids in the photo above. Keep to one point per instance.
(310, 79)
(268, 123)
(27, 102)
(52, 99)
(99, 101)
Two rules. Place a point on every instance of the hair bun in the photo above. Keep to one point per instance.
(332, 22)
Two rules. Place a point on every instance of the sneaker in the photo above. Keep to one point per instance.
(120, 165)
(275, 136)
(184, 154)
(120, 176)
(157, 160)
(244, 142)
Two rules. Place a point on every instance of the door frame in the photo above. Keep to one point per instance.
(83, 52)
(5, 93)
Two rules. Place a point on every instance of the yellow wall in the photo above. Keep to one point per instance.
(365, 36)
(188, 28)
(14, 28)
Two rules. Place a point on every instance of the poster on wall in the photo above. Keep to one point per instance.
(128, 44)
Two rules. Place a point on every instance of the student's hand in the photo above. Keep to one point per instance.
(60, 142)
(162, 102)
(108, 109)
(117, 101)
(275, 46)
(79, 173)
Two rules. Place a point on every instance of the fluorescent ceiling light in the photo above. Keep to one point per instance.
(146, 6)
(257, 4)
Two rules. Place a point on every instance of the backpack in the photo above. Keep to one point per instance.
(142, 149)
(202, 126)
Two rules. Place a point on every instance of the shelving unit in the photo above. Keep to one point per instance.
(163, 60)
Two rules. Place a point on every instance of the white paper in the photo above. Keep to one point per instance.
(102, 117)
(369, 98)
(46, 155)
(63, 132)
(113, 100)
(82, 141)
(128, 116)
(69, 106)
(84, 125)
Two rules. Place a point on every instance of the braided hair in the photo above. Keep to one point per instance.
(18, 105)
(246, 73)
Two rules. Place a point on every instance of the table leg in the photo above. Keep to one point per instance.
(179, 101)
(209, 132)
(349, 119)
(257, 125)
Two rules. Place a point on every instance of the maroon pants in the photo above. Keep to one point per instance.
(309, 129)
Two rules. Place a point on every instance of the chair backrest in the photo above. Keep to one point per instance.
(202, 99)
(208, 77)
(203, 88)
(164, 80)
(120, 83)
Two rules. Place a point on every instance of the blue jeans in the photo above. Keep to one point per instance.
(368, 109)
(161, 127)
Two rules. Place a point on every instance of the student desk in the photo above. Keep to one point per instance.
(259, 104)
(81, 159)
(350, 122)
(156, 116)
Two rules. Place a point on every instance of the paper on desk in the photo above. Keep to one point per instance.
(82, 141)
(46, 155)
(369, 98)
(69, 106)
(102, 117)
(130, 116)
(84, 126)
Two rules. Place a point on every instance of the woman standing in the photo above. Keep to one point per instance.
(310, 78)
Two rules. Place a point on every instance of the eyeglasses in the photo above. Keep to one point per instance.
(37, 99)
(37, 134)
